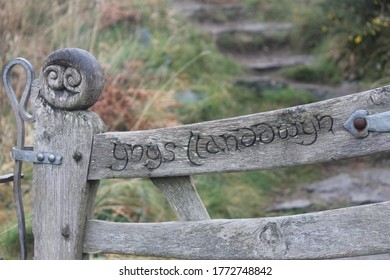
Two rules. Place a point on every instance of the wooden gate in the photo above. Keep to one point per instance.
(72, 80)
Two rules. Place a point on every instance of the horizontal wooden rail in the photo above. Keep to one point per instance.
(347, 232)
(298, 135)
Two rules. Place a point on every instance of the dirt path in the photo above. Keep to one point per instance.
(263, 48)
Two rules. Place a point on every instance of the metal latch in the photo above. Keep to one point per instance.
(21, 115)
(360, 123)
(27, 154)
(8, 178)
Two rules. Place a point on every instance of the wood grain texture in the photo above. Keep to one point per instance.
(299, 135)
(182, 197)
(63, 197)
(353, 231)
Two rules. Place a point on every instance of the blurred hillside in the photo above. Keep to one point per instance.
(171, 62)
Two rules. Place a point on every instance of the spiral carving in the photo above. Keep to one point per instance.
(72, 79)
(61, 78)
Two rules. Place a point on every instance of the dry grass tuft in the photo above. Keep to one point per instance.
(122, 108)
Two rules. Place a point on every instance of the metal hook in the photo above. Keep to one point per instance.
(21, 114)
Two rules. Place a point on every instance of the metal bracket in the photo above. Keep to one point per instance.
(28, 155)
(360, 123)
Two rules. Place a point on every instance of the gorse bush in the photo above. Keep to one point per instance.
(362, 20)
(353, 33)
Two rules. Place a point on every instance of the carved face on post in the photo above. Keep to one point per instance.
(72, 79)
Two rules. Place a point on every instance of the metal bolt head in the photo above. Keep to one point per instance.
(360, 123)
(40, 157)
(52, 158)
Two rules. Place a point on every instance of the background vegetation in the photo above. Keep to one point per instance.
(352, 35)
(161, 71)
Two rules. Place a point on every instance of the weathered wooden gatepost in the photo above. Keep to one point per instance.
(71, 81)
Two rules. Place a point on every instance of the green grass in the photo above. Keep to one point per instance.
(246, 101)
(9, 242)
(247, 195)
(134, 200)
(324, 72)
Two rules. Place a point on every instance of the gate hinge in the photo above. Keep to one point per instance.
(360, 123)
(29, 155)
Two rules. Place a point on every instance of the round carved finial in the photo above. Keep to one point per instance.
(72, 79)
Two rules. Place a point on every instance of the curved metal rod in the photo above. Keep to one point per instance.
(21, 114)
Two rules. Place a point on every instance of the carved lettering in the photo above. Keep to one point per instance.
(266, 133)
(200, 147)
(308, 128)
(192, 153)
(170, 148)
(228, 142)
(136, 152)
(325, 122)
(124, 157)
(249, 138)
(153, 157)
(150, 156)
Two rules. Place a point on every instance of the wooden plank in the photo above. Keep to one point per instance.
(299, 135)
(182, 197)
(347, 232)
(63, 197)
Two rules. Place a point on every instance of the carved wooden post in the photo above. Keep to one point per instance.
(71, 82)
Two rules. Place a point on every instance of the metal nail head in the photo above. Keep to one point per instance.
(52, 158)
(40, 157)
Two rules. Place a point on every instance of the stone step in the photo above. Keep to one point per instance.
(234, 34)
(345, 189)
(323, 92)
(259, 84)
(204, 12)
(272, 61)
(186, 7)
(249, 37)
(274, 82)
(246, 27)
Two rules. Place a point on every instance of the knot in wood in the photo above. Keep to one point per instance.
(72, 79)
(65, 231)
(77, 156)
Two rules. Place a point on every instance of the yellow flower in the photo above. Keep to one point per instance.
(324, 28)
(377, 21)
(358, 39)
